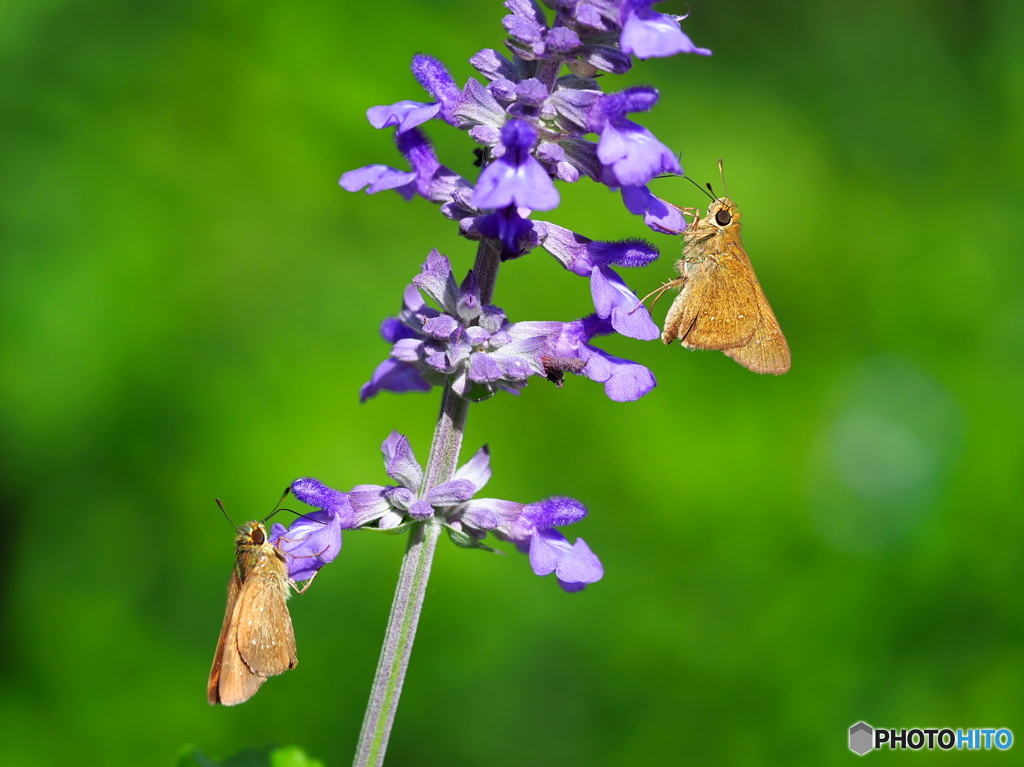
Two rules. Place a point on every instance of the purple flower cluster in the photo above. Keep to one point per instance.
(532, 123)
(475, 348)
(532, 120)
(315, 539)
(539, 117)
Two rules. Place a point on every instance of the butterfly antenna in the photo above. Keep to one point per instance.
(277, 506)
(721, 172)
(225, 513)
(709, 194)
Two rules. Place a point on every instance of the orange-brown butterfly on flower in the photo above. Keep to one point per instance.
(721, 304)
(256, 640)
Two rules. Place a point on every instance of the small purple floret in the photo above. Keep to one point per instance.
(648, 34)
(516, 178)
(314, 539)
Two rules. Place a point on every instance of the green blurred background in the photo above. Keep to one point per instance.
(190, 304)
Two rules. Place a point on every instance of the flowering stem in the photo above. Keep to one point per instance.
(488, 259)
(419, 555)
(394, 655)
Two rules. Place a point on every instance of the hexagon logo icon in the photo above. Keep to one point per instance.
(862, 738)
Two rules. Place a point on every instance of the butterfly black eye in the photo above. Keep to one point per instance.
(723, 217)
(257, 536)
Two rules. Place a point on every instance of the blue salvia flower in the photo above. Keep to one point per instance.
(314, 540)
(531, 527)
(467, 343)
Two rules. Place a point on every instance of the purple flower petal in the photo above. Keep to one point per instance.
(554, 512)
(451, 493)
(390, 115)
(507, 226)
(421, 510)
(615, 302)
(647, 34)
(578, 567)
(634, 154)
(400, 462)
(516, 178)
(561, 40)
(436, 80)
(624, 381)
(313, 492)
(403, 114)
(574, 565)
(545, 551)
(394, 376)
(658, 214)
(378, 178)
(477, 469)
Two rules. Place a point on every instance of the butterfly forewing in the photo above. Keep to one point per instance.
(266, 640)
(713, 310)
(767, 350)
(256, 638)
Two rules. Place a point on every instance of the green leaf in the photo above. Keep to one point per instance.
(464, 541)
(390, 530)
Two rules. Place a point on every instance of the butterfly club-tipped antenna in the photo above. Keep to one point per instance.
(277, 506)
(224, 511)
(709, 191)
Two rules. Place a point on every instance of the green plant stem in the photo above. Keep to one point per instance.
(419, 555)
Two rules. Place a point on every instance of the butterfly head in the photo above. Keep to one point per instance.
(723, 213)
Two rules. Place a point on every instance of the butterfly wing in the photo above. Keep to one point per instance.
(265, 638)
(231, 681)
(715, 308)
(766, 351)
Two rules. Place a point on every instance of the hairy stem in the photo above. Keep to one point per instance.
(419, 555)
